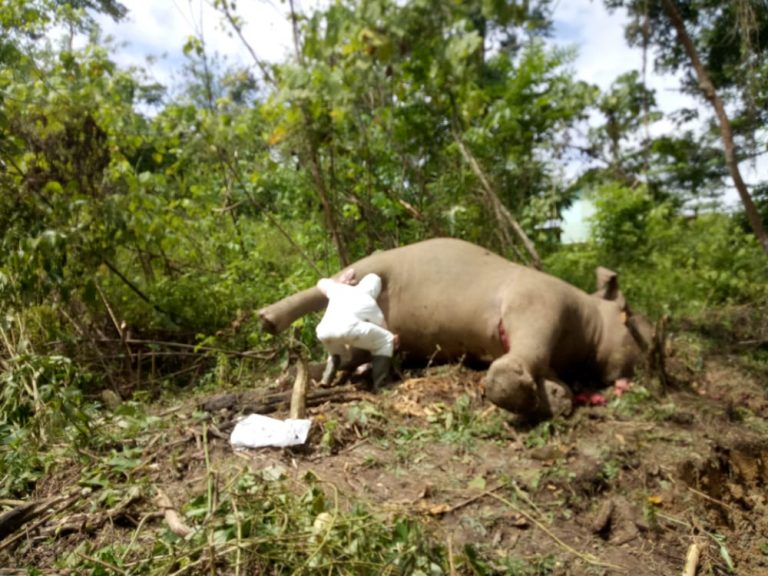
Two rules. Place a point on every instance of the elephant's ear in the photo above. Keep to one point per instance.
(608, 287)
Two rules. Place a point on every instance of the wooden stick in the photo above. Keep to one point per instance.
(14, 519)
(299, 395)
(172, 518)
(692, 559)
(451, 565)
(469, 500)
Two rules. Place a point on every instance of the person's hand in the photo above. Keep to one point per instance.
(348, 276)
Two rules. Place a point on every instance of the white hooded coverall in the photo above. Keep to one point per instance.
(353, 318)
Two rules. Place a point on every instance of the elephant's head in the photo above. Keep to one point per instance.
(627, 337)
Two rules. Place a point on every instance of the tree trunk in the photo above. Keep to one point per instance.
(313, 154)
(726, 132)
(322, 191)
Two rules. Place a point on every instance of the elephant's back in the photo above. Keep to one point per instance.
(443, 296)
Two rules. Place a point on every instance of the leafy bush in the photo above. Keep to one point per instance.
(41, 405)
(667, 261)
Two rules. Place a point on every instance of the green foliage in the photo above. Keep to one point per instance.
(668, 261)
(543, 433)
(621, 221)
(41, 404)
(378, 97)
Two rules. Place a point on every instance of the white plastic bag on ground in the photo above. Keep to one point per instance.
(258, 431)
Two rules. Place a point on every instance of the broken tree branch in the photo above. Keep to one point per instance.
(16, 521)
(299, 394)
(15, 518)
(502, 214)
(268, 403)
(692, 559)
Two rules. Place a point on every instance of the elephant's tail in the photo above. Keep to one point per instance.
(278, 316)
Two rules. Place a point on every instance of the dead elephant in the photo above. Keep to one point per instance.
(449, 299)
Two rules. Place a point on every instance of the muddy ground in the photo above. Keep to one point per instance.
(621, 488)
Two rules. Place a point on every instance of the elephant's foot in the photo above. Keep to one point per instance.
(511, 386)
(557, 399)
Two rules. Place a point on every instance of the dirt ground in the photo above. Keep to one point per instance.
(622, 488)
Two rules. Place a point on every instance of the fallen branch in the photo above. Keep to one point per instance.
(692, 559)
(15, 518)
(81, 522)
(172, 518)
(299, 393)
(268, 403)
(758, 343)
(39, 508)
(439, 511)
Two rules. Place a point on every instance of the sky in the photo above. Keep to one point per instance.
(159, 29)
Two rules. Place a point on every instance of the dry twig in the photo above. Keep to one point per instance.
(692, 559)
(586, 557)
(173, 519)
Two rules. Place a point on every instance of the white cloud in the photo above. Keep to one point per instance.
(603, 53)
(161, 28)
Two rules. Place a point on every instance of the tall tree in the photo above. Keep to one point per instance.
(384, 92)
(686, 166)
(710, 42)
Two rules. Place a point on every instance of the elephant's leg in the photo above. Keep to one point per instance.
(521, 380)
(557, 397)
(510, 385)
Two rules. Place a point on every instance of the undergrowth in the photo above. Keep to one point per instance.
(111, 462)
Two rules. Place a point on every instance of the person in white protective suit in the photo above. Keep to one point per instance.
(353, 319)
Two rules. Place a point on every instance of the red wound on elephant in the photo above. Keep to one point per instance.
(503, 336)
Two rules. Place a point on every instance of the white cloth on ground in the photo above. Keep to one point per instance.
(353, 318)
